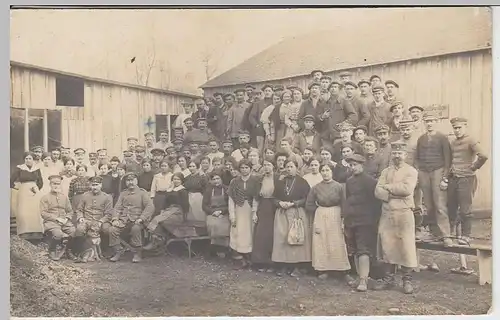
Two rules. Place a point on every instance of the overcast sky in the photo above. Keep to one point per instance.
(100, 43)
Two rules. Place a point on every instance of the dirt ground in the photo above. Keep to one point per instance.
(202, 286)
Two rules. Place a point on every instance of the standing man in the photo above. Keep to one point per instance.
(55, 156)
(373, 164)
(396, 119)
(65, 153)
(249, 92)
(256, 128)
(187, 113)
(57, 213)
(345, 76)
(384, 147)
(392, 90)
(93, 163)
(379, 110)
(359, 105)
(162, 143)
(235, 116)
(149, 142)
(396, 231)
(201, 110)
(325, 82)
(133, 208)
(416, 113)
(345, 134)
(375, 80)
(80, 159)
(102, 156)
(433, 160)
(219, 99)
(316, 75)
(131, 164)
(132, 142)
(467, 158)
(198, 135)
(311, 105)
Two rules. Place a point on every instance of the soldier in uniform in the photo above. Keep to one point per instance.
(133, 208)
(379, 110)
(467, 158)
(132, 142)
(375, 80)
(384, 147)
(158, 155)
(93, 161)
(178, 143)
(131, 165)
(316, 75)
(392, 88)
(201, 111)
(416, 113)
(57, 213)
(310, 105)
(235, 116)
(140, 155)
(396, 231)
(397, 117)
(308, 138)
(94, 210)
(201, 134)
(102, 156)
(80, 160)
(278, 89)
(373, 164)
(65, 153)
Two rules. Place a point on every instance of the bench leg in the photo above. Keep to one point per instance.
(188, 242)
(485, 266)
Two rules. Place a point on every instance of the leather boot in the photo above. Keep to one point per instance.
(137, 255)
(53, 249)
(117, 255)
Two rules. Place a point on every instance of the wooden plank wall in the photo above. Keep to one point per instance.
(463, 81)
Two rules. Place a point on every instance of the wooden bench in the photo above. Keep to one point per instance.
(482, 251)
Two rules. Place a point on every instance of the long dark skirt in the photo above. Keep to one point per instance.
(262, 248)
(159, 202)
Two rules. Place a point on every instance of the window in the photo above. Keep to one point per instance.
(31, 127)
(164, 122)
(69, 91)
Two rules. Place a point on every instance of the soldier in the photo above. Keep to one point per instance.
(310, 105)
(384, 147)
(93, 163)
(360, 106)
(94, 210)
(278, 89)
(140, 155)
(416, 113)
(375, 81)
(365, 96)
(397, 117)
(178, 143)
(162, 143)
(345, 76)
(57, 213)
(379, 110)
(392, 88)
(256, 129)
(170, 150)
(149, 142)
(467, 158)
(396, 229)
(133, 208)
(359, 134)
(201, 111)
(187, 113)
(373, 164)
(131, 165)
(178, 132)
(219, 99)
(308, 138)
(132, 142)
(216, 118)
(158, 155)
(80, 160)
(102, 156)
(433, 160)
(65, 153)
(345, 131)
(316, 75)
(200, 134)
(235, 116)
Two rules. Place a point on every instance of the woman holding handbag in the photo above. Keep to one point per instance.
(329, 251)
(292, 225)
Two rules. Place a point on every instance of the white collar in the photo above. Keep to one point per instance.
(181, 187)
(23, 166)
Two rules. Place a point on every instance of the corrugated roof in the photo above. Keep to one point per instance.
(408, 34)
(100, 80)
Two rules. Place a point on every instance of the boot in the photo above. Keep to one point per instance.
(117, 255)
(137, 255)
(53, 249)
(60, 252)
(155, 243)
(363, 285)
(407, 286)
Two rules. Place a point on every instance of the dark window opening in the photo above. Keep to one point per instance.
(69, 91)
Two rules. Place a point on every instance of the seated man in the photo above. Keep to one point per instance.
(133, 208)
(94, 210)
(56, 213)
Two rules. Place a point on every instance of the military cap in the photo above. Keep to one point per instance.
(378, 88)
(218, 94)
(430, 117)
(345, 74)
(316, 70)
(326, 77)
(250, 86)
(130, 176)
(279, 87)
(55, 177)
(405, 124)
(361, 127)
(264, 87)
(56, 149)
(334, 82)
(227, 142)
(92, 154)
(127, 151)
(132, 139)
(177, 140)
(394, 104)
(398, 146)
(227, 95)
(394, 83)
(114, 159)
(37, 148)
(178, 129)
(458, 120)
(188, 119)
(79, 150)
(350, 83)
(157, 151)
(102, 149)
(308, 117)
(242, 132)
(416, 107)
(344, 126)
(140, 149)
(312, 84)
(375, 77)
(96, 179)
(360, 82)
(149, 134)
(239, 90)
(201, 119)
(382, 128)
(356, 158)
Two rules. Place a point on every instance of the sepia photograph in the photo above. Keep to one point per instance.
(256, 161)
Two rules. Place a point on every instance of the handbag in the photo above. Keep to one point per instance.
(296, 232)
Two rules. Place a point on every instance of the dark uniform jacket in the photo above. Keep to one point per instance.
(95, 207)
(132, 205)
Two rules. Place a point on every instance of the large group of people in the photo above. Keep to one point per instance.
(342, 180)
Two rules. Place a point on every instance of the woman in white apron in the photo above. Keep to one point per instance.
(28, 180)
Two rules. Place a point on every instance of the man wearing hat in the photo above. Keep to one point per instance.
(162, 142)
(200, 134)
(94, 210)
(102, 156)
(57, 213)
(360, 107)
(256, 128)
(397, 117)
(334, 90)
(467, 158)
(373, 164)
(200, 112)
(65, 153)
(93, 161)
(396, 228)
(235, 116)
(359, 134)
(375, 80)
(217, 118)
(149, 143)
(392, 90)
(157, 157)
(133, 209)
(416, 113)
(278, 89)
(178, 143)
(249, 89)
(316, 75)
(308, 138)
(433, 159)
(131, 164)
(380, 113)
(187, 113)
(132, 142)
(219, 99)
(37, 156)
(140, 155)
(80, 160)
(325, 82)
(311, 105)
(384, 146)
(361, 212)
(345, 130)
(345, 76)
(365, 95)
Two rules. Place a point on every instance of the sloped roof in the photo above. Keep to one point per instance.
(404, 34)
